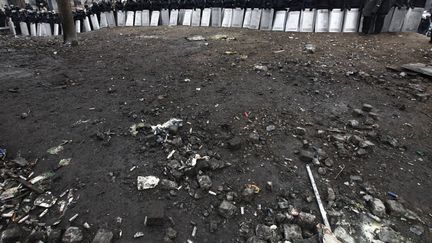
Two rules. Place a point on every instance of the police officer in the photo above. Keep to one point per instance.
(374, 13)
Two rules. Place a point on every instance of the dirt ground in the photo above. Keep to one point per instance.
(222, 89)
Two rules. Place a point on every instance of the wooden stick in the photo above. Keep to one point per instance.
(318, 198)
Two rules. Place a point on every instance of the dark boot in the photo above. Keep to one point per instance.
(367, 21)
(379, 23)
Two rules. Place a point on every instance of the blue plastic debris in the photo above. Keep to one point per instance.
(2, 153)
(392, 195)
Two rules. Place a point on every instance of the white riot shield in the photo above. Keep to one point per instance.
(279, 21)
(103, 23)
(86, 23)
(227, 17)
(77, 26)
(247, 18)
(237, 20)
(173, 17)
(155, 16)
(130, 17)
(12, 26)
(138, 18)
(165, 18)
(24, 29)
(47, 29)
(397, 20)
(205, 18)
(187, 18)
(292, 23)
(351, 20)
(56, 29)
(145, 17)
(120, 18)
(336, 20)
(216, 17)
(322, 20)
(38, 29)
(267, 19)
(111, 19)
(94, 21)
(181, 16)
(387, 21)
(196, 17)
(255, 19)
(307, 20)
(33, 29)
(412, 19)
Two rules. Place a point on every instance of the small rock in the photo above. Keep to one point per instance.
(72, 234)
(322, 171)
(388, 235)
(204, 181)
(361, 152)
(378, 208)
(284, 204)
(147, 182)
(395, 208)
(24, 115)
(292, 232)
(331, 195)
(343, 235)
(307, 219)
(328, 162)
(306, 156)
(227, 209)
(263, 232)
(11, 235)
(417, 229)
(254, 137)
(356, 178)
(168, 184)
(353, 123)
(358, 112)
(270, 128)
(300, 131)
(171, 233)
(310, 48)
(196, 38)
(103, 236)
(234, 143)
(367, 107)
(261, 68)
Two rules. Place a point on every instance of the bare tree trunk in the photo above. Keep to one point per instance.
(69, 32)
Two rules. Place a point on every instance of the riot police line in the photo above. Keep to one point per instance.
(276, 15)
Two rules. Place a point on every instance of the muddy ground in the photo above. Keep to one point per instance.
(222, 89)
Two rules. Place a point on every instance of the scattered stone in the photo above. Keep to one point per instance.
(254, 137)
(356, 178)
(310, 48)
(395, 208)
(196, 38)
(263, 232)
(328, 162)
(331, 195)
(147, 182)
(138, 235)
(306, 156)
(261, 68)
(388, 235)
(168, 184)
(378, 208)
(234, 143)
(11, 235)
(343, 235)
(417, 229)
(292, 232)
(358, 112)
(322, 171)
(283, 204)
(353, 123)
(72, 234)
(307, 219)
(204, 181)
(270, 128)
(361, 152)
(20, 161)
(103, 236)
(300, 131)
(367, 107)
(171, 233)
(155, 215)
(227, 209)
(24, 115)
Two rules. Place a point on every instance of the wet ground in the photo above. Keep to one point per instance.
(224, 88)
